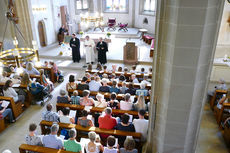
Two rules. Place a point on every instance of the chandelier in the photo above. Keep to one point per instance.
(16, 56)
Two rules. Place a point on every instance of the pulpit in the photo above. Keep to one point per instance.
(130, 53)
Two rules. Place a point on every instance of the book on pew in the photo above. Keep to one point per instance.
(116, 142)
(132, 98)
(15, 85)
(130, 118)
(72, 113)
(5, 103)
(88, 108)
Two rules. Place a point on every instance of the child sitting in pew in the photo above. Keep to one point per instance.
(110, 145)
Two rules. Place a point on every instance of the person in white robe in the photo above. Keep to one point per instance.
(89, 50)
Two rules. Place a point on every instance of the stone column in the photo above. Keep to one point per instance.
(186, 37)
(24, 22)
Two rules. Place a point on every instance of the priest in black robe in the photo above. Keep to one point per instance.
(75, 45)
(102, 48)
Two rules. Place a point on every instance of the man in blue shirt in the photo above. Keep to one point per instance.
(52, 140)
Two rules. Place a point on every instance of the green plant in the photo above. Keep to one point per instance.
(81, 32)
(108, 34)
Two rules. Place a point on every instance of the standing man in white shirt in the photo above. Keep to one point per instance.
(141, 125)
(89, 50)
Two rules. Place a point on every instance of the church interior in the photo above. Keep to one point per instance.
(115, 76)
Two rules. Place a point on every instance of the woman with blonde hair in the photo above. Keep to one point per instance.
(93, 147)
(25, 80)
(140, 104)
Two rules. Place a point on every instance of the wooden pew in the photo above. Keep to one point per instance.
(16, 107)
(51, 71)
(226, 135)
(213, 99)
(220, 115)
(23, 148)
(59, 106)
(2, 125)
(138, 75)
(88, 129)
(135, 85)
(106, 94)
(28, 97)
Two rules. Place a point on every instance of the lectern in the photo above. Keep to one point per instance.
(130, 53)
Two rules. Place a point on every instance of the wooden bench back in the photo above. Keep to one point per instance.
(60, 106)
(23, 148)
(43, 124)
(213, 99)
(106, 94)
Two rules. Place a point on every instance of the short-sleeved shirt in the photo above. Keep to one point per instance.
(130, 128)
(50, 116)
(64, 99)
(33, 140)
(113, 105)
(107, 150)
(75, 100)
(126, 105)
(83, 87)
(52, 141)
(116, 90)
(72, 145)
(141, 126)
(104, 88)
(107, 122)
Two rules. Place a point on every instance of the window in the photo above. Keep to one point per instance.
(82, 4)
(116, 5)
(149, 6)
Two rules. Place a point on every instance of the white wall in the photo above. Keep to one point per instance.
(224, 33)
(139, 19)
(51, 17)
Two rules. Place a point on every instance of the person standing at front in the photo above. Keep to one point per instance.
(89, 50)
(75, 45)
(102, 48)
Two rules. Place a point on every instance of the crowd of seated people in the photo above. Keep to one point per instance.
(103, 143)
(105, 120)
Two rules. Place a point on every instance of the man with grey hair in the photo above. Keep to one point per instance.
(52, 140)
(107, 121)
(72, 144)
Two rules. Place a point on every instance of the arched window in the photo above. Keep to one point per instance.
(116, 5)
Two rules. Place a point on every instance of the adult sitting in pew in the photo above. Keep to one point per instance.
(145, 80)
(224, 99)
(100, 101)
(113, 103)
(104, 87)
(221, 86)
(63, 97)
(107, 122)
(52, 140)
(124, 125)
(6, 112)
(134, 79)
(16, 79)
(71, 85)
(93, 147)
(114, 87)
(50, 115)
(142, 90)
(123, 88)
(85, 100)
(64, 116)
(133, 70)
(72, 144)
(129, 146)
(31, 69)
(84, 121)
(126, 104)
(131, 90)
(141, 125)
(75, 99)
(94, 85)
(122, 78)
(140, 104)
(32, 138)
(8, 91)
(4, 77)
(83, 85)
(25, 80)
